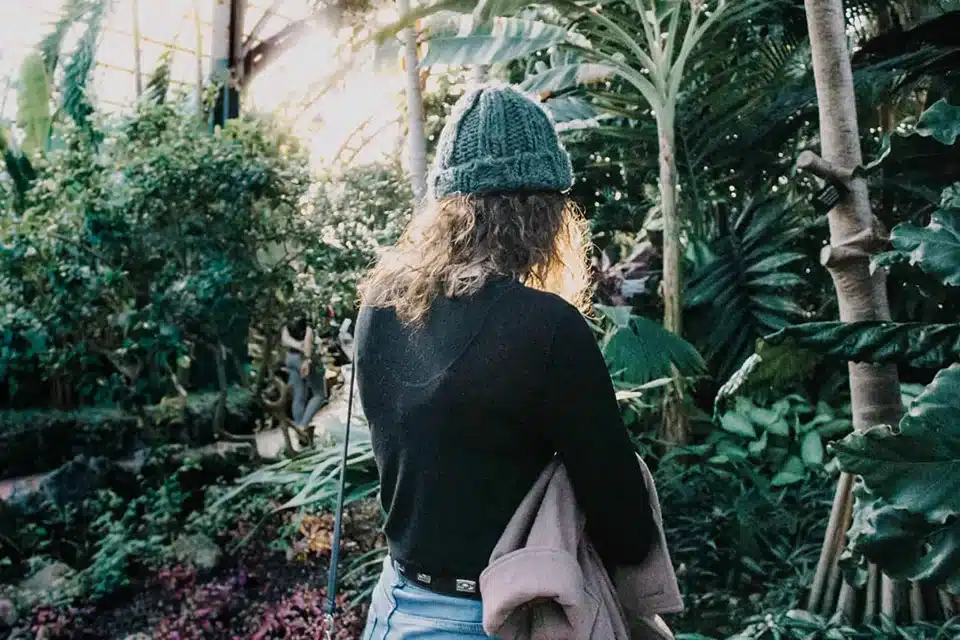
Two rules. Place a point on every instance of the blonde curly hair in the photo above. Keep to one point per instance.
(458, 243)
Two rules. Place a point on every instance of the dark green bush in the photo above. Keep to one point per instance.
(33, 440)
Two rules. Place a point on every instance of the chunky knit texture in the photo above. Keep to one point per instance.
(497, 139)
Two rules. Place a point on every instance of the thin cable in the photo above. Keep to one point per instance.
(338, 517)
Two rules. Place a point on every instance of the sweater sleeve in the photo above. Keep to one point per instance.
(583, 424)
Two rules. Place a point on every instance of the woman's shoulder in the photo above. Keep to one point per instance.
(540, 310)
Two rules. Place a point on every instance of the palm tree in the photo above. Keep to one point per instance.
(416, 136)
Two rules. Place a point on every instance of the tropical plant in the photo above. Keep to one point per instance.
(786, 439)
(162, 240)
(640, 351)
(906, 513)
(746, 286)
(905, 500)
(312, 479)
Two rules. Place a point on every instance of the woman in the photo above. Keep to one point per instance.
(297, 337)
(473, 371)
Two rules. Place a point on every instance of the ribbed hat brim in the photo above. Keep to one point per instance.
(524, 171)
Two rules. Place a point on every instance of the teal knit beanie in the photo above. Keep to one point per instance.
(497, 139)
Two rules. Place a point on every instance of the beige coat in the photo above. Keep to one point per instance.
(545, 580)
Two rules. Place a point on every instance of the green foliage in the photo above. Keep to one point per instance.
(639, 350)
(161, 238)
(797, 624)
(76, 102)
(941, 122)
(37, 440)
(115, 535)
(915, 344)
(312, 477)
(918, 158)
(784, 440)
(33, 104)
(908, 499)
(935, 248)
(740, 545)
(504, 40)
(907, 515)
(357, 212)
(745, 290)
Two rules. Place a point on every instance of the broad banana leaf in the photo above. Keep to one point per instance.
(907, 518)
(502, 40)
(909, 343)
(567, 76)
(567, 109)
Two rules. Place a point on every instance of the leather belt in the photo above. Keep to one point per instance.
(443, 585)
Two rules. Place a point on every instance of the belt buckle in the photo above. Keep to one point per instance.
(466, 586)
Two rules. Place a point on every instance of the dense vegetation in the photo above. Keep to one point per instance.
(147, 262)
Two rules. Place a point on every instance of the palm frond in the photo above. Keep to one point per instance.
(159, 82)
(76, 102)
(745, 290)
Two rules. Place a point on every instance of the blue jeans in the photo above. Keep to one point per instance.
(400, 610)
(301, 411)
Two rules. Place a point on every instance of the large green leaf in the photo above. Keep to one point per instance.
(567, 76)
(570, 109)
(935, 248)
(639, 350)
(502, 40)
(941, 122)
(918, 466)
(911, 343)
(33, 103)
(907, 518)
(744, 291)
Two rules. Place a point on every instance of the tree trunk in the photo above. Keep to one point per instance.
(137, 72)
(227, 40)
(674, 426)
(855, 235)
(198, 44)
(672, 318)
(416, 134)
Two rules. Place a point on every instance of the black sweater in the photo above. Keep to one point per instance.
(466, 411)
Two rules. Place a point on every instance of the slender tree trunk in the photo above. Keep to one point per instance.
(416, 134)
(672, 318)
(198, 44)
(674, 427)
(137, 72)
(855, 235)
(225, 48)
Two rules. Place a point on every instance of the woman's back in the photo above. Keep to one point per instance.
(466, 411)
(472, 377)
